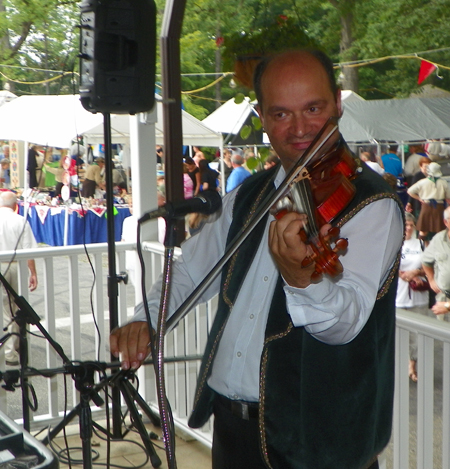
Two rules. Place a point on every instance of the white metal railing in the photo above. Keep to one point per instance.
(66, 313)
(62, 300)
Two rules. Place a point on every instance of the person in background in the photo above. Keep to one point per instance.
(208, 177)
(412, 165)
(194, 174)
(407, 298)
(227, 164)
(15, 233)
(298, 373)
(238, 175)
(159, 155)
(436, 264)
(432, 192)
(59, 173)
(413, 205)
(198, 155)
(365, 156)
(117, 177)
(5, 152)
(94, 178)
(271, 161)
(32, 166)
(188, 184)
(392, 164)
(77, 153)
(5, 174)
(249, 155)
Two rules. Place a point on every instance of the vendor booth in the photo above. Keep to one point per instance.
(56, 121)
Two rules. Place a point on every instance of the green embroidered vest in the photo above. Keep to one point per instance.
(321, 406)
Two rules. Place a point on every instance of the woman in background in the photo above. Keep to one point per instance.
(407, 298)
(432, 192)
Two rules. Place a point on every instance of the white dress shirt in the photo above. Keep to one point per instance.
(334, 310)
(15, 231)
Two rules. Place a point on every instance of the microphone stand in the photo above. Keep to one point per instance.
(316, 145)
(83, 375)
(113, 278)
(158, 338)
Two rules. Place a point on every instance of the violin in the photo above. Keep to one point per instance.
(322, 190)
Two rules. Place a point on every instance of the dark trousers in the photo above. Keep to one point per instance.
(236, 441)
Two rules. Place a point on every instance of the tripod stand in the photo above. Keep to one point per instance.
(88, 391)
(83, 374)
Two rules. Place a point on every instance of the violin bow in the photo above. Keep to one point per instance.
(316, 145)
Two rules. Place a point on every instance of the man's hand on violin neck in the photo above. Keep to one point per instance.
(289, 250)
(131, 343)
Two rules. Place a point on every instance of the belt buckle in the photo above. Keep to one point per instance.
(240, 409)
(244, 412)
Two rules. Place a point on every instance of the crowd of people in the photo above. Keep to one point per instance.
(424, 272)
(69, 168)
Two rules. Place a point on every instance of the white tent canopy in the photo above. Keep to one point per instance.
(57, 120)
(194, 132)
(401, 120)
(230, 117)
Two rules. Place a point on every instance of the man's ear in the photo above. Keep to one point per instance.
(258, 110)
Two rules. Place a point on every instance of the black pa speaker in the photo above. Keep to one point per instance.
(118, 55)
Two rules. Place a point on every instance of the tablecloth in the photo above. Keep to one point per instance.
(47, 224)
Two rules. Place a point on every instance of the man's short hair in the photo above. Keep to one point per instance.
(410, 217)
(4, 161)
(323, 58)
(8, 199)
(237, 159)
(447, 213)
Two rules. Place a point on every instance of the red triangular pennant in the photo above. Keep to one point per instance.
(426, 69)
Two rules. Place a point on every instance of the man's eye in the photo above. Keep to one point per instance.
(280, 115)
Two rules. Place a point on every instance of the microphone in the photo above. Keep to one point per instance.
(207, 203)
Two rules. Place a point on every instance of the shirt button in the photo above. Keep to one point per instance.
(266, 278)
(239, 354)
(252, 316)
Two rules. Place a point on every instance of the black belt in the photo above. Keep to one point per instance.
(242, 409)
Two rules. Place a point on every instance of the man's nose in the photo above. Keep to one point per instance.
(300, 126)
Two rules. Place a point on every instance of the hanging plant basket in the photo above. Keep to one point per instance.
(243, 51)
(244, 66)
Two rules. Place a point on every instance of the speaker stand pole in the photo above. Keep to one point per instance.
(112, 283)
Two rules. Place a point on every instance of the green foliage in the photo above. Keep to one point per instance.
(41, 34)
(276, 34)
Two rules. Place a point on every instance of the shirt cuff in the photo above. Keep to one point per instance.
(304, 306)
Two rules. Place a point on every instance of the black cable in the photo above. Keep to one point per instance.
(32, 405)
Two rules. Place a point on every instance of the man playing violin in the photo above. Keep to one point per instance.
(298, 374)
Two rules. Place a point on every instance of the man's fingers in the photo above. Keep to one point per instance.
(131, 342)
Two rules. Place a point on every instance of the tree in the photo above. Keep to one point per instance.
(36, 33)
